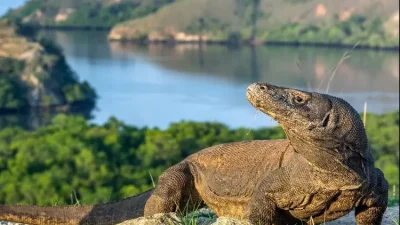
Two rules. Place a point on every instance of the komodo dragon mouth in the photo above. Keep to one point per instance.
(290, 105)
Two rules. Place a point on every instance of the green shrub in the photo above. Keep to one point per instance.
(114, 160)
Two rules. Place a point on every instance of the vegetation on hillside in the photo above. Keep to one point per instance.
(238, 21)
(12, 92)
(34, 73)
(83, 13)
(373, 23)
(357, 29)
(115, 160)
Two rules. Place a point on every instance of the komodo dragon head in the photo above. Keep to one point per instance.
(309, 118)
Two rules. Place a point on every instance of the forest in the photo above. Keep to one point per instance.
(72, 161)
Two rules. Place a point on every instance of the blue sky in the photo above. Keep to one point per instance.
(6, 4)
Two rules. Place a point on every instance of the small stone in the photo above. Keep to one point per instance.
(157, 219)
(230, 221)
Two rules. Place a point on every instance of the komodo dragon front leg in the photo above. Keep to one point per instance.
(175, 192)
(372, 208)
(278, 191)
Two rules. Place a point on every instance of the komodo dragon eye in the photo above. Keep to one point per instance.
(298, 100)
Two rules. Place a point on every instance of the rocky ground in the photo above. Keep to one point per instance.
(207, 217)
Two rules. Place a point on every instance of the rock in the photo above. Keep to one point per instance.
(207, 217)
(391, 215)
(200, 217)
(158, 219)
(230, 221)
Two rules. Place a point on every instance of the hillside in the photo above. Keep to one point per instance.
(34, 74)
(373, 22)
(83, 13)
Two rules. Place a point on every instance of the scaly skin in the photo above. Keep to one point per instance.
(320, 173)
(103, 214)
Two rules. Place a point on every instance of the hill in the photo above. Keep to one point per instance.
(83, 13)
(373, 22)
(34, 74)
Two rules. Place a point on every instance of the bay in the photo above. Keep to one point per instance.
(159, 84)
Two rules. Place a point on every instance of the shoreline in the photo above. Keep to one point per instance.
(88, 103)
(215, 42)
(69, 28)
(247, 44)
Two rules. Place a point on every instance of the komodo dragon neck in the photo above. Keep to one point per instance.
(325, 130)
(102, 214)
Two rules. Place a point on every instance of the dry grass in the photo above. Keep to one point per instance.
(11, 44)
(365, 114)
(345, 56)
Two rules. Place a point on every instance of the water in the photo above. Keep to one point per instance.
(157, 85)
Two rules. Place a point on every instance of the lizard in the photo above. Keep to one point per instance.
(320, 172)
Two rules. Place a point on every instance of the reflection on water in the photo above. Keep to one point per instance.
(157, 85)
(364, 71)
(37, 118)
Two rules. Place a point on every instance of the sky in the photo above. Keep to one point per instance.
(6, 4)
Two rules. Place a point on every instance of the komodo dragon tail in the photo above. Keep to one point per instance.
(102, 214)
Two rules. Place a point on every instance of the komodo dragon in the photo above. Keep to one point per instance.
(321, 172)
